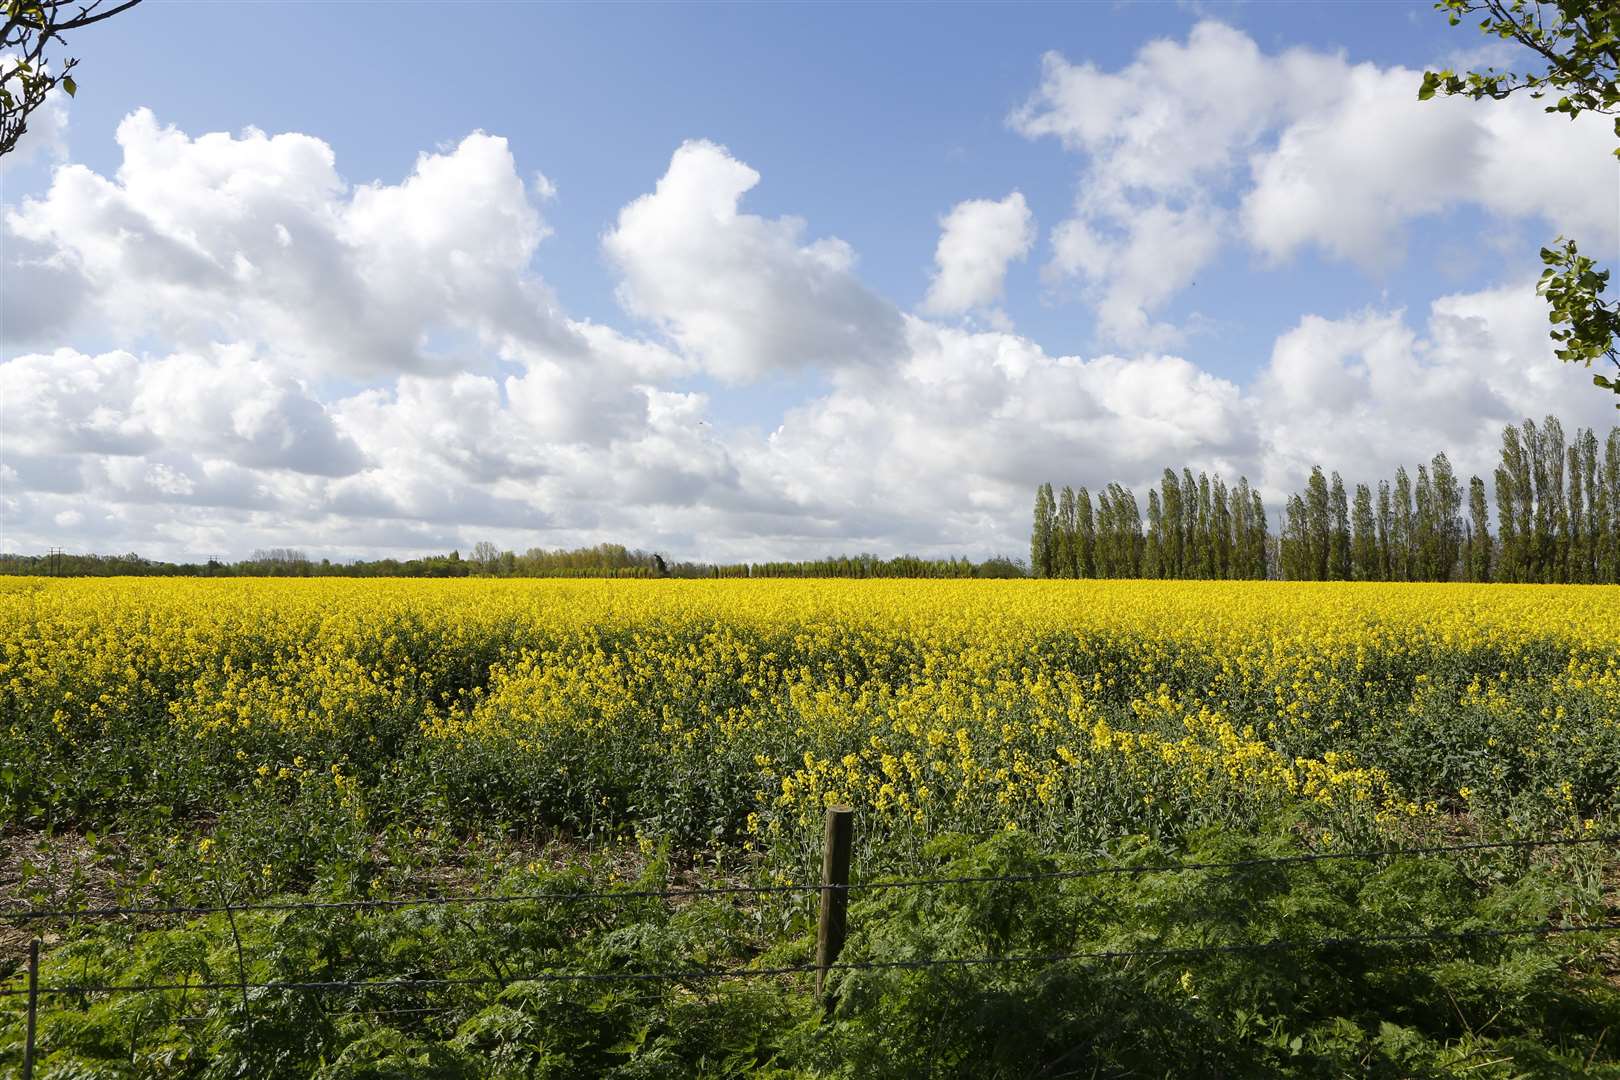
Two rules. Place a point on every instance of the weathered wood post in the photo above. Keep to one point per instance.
(33, 1009)
(834, 890)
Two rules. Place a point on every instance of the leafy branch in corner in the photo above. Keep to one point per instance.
(1585, 326)
(27, 76)
(1578, 41)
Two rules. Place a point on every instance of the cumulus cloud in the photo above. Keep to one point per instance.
(1195, 143)
(978, 239)
(741, 294)
(228, 407)
(257, 238)
(540, 429)
(1368, 391)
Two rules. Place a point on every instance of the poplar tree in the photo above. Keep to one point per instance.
(1296, 541)
(1401, 534)
(1546, 452)
(1591, 528)
(1426, 534)
(1260, 536)
(1609, 511)
(1192, 555)
(1042, 536)
(1364, 538)
(1318, 524)
(1206, 530)
(1242, 527)
(1088, 534)
(1479, 533)
(1448, 503)
(1105, 548)
(1339, 553)
(1174, 528)
(1129, 522)
(1153, 557)
(1517, 529)
(1386, 527)
(1067, 528)
(1221, 526)
(1507, 539)
(1575, 568)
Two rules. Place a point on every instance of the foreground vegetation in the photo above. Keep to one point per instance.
(185, 742)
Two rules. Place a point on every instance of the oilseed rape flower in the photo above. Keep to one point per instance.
(720, 711)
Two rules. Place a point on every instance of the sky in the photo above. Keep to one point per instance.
(741, 282)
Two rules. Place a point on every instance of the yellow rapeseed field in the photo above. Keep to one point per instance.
(732, 712)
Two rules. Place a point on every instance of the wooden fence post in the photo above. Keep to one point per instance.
(834, 890)
(33, 1009)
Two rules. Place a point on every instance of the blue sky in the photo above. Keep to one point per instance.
(869, 123)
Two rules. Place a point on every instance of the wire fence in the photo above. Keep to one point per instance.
(25, 915)
(916, 963)
(834, 891)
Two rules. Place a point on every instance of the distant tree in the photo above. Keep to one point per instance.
(1259, 537)
(1043, 536)
(1339, 554)
(1128, 529)
(1363, 537)
(1107, 546)
(1448, 504)
(1192, 553)
(1575, 560)
(1221, 529)
(1507, 540)
(1067, 540)
(1479, 532)
(1318, 523)
(1591, 530)
(1609, 519)
(1153, 556)
(1386, 528)
(1403, 536)
(1298, 562)
(1426, 529)
(1174, 526)
(1087, 525)
(1554, 525)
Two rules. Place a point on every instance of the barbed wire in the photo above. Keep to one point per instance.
(382, 903)
(694, 974)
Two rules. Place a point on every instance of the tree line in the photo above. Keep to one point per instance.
(1557, 505)
(1195, 529)
(487, 560)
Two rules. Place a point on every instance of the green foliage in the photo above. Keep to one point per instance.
(1576, 42)
(1488, 1006)
(27, 74)
(1585, 326)
(1576, 46)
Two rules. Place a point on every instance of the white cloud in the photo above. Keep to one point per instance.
(257, 238)
(539, 429)
(1368, 391)
(1349, 177)
(979, 238)
(228, 406)
(1196, 142)
(741, 294)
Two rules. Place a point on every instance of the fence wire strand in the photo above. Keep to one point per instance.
(23, 915)
(696, 974)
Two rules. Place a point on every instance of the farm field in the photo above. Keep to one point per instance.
(186, 742)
